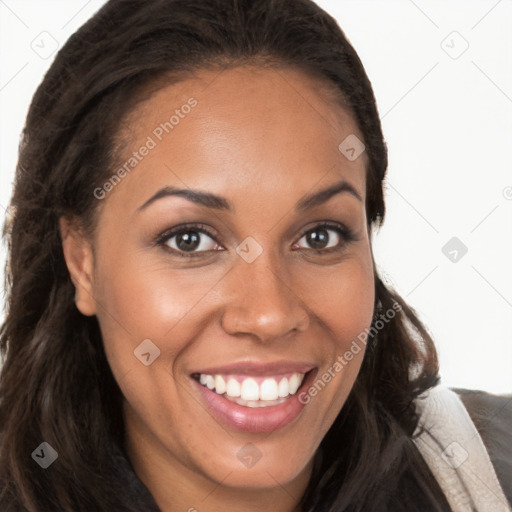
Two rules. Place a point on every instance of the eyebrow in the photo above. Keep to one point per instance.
(216, 202)
(317, 198)
(196, 196)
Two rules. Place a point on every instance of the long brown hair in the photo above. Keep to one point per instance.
(56, 385)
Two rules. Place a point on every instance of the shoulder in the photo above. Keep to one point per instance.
(492, 416)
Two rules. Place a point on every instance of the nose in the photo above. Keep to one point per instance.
(262, 302)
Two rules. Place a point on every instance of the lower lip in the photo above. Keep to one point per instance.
(254, 419)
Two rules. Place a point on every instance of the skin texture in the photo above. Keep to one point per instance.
(263, 139)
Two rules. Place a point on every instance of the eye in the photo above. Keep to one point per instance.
(326, 236)
(188, 241)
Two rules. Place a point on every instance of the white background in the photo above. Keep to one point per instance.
(447, 119)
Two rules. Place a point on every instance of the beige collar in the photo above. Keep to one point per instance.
(456, 455)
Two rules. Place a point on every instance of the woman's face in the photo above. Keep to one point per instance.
(266, 280)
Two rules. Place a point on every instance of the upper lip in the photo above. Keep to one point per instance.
(258, 368)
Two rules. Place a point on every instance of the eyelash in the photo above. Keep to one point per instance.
(343, 231)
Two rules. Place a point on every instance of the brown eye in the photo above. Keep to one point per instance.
(189, 240)
(318, 239)
(325, 236)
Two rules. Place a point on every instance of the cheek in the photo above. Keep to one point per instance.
(139, 299)
(343, 300)
(343, 297)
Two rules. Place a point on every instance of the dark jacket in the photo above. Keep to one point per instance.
(491, 414)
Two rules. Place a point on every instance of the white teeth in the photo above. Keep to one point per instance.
(260, 403)
(233, 388)
(271, 391)
(220, 385)
(283, 388)
(268, 390)
(294, 383)
(210, 382)
(250, 390)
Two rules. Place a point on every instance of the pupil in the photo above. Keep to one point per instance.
(318, 238)
(187, 241)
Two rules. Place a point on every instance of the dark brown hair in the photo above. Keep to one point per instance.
(56, 385)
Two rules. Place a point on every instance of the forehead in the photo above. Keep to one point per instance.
(273, 130)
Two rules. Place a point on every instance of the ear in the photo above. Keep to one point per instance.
(79, 259)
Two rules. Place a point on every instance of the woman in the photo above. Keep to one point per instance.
(195, 319)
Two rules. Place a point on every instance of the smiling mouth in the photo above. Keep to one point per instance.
(253, 391)
(255, 398)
